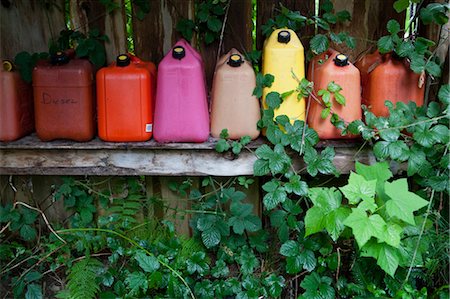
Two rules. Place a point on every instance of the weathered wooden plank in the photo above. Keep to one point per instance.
(156, 33)
(369, 19)
(145, 162)
(29, 25)
(269, 8)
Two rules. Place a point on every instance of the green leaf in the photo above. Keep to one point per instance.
(392, 234)
(343, 15)
(417, 162)
(214, 24)
(387, 257)
(289, 248)
(275, 284)
(339, 98)
(317, 287)
(136, 281)
(381, 149)
(417, 62)
(220, 270)
(393, 27)
(403, 203)
(319, 43)
(441, 134)
(385, 44)
(333, 87)
(296, 186)
(275, 194)
(405, 48)
(401, 5)
(398, 150)
(248, 262)
(444, 94)
(243, 220)
(433, 68)
(325, 113)
(273, 100)
(424, 137)
(211, 237)
(146, 262)
(261, 167)
(34, 291)
(322, 162)
(197, 263)
(222, 146)
(365, 227)
(389, 134)
(27, 232)
(358, 188)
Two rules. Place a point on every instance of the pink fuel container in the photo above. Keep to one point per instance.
(181, 108)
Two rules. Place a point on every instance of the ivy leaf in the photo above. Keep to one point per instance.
(136, 281)
(378, 171)
(222, 146)
(392, 234)
(273, 100)
(214, 24)
(319, 43)
(146, 262)
(359, 188)
(403, 203)
(317, 287)
(365, 227)
(242, 219)
(322, 162)
(34, 291)
(385, 44)
(393, 27)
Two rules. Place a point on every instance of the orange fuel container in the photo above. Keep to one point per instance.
(16, 105)
(392, 80)
(365, 65)
(125, 100)
(347, 76)
(63, 99)
(318, 60)
(234, 107)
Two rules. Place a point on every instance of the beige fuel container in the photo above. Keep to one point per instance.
(234, 107)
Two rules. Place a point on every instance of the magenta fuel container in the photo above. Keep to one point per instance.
(181, 108)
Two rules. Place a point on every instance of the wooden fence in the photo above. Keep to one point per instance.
(27, 25)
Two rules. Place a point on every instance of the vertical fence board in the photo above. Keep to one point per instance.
(91, 14)
(369, 19)
(29, 26)
(156, 33)
(267, 9)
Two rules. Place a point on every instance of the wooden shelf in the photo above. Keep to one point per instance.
(30, 156)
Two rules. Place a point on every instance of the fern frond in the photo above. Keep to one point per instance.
(82, 279)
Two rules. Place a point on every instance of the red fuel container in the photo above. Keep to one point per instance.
(125, 100)
(16, 105)
(392, 80)
(63, 99)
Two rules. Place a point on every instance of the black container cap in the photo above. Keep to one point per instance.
(178, 52)
(59, 58)
(341, 60)
(284, 36)
(123, 60)
(235, 60)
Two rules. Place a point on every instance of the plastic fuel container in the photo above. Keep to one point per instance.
(181, 108)
(16, 105)
(367, 64)
(283, 56)
(125, 100)
(233, 105)
(347, 76)
(318, 60)
(393, 80)
(63, 99)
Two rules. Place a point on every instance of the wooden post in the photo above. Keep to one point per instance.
(29, 26)
(156, 33)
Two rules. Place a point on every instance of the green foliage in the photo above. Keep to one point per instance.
(224, 144)
(208, 21)
(82, 279)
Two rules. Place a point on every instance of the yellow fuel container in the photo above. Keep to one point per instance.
(283, 56)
